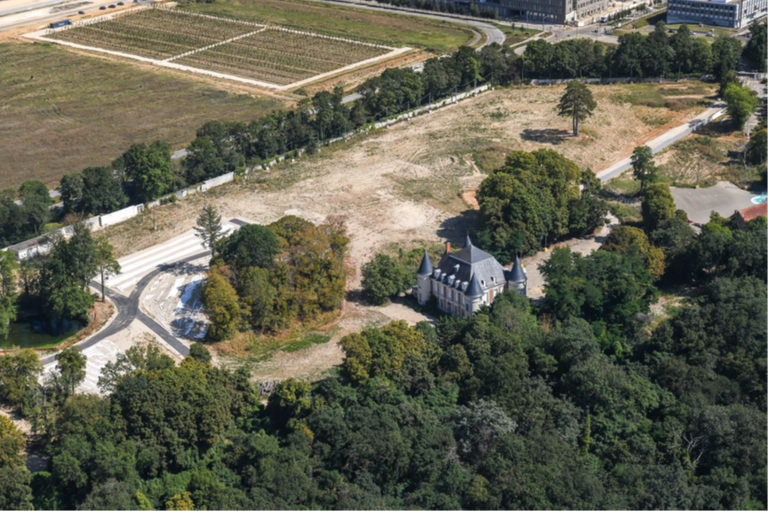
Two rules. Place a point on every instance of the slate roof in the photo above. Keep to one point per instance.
(426, 267)
(474, 288)
(470, 262)
(517, 274)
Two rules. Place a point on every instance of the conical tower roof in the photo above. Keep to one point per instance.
(474, 290)
(426, 267)
(517, 274)
(467, 242)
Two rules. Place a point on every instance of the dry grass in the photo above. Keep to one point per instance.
(399, 186)
(61, 112)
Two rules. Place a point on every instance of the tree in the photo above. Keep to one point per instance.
(180, 502)
(209, 228)
(622, 237)
(251, 245)
(383, 278)
(35, 203)
(101, 191)
(577, 103)
(8, 291)
(200, 352)
(150, 168)
(221, 306)
(19, 374)
(71, 369)
(643, 167)
(105, 262)
(755, 50)
(740, 102)
(757, 148)
(657, 206)
(12, 443)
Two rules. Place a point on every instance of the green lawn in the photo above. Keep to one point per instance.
(61, 112)
(362, 24)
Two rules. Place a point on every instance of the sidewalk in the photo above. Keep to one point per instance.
(663, 141)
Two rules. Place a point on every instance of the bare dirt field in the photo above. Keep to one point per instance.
(402, 186)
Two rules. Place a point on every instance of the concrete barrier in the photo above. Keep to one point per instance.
(120, 215)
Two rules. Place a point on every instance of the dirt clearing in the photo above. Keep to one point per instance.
(402, 186)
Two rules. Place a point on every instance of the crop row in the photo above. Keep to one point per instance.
(153, 33)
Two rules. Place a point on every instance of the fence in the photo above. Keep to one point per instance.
(561, 81)
(42, 244)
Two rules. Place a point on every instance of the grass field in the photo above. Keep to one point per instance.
(61, 112)
(332, 19)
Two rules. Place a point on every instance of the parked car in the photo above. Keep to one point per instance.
(710, 34)
(120, 3)
(103, 8)
(80, 12)
(112, 6)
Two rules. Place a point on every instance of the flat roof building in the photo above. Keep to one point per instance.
(546, 11)
(722, 13)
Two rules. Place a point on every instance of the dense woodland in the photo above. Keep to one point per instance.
(269, 278)
(587, 401)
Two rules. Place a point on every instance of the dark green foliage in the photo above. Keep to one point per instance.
(253, 286)
(535, 198)
(251, 245)
(95, 190)
(200, 353)
(637, 56)
(384, 278)
(149, 168)
(756, 51)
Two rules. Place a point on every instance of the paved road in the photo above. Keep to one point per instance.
(128, 311)
(127, 306)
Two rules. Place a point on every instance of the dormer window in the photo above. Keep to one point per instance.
(456, 268)
(493, 279)
(450, 280)
(464, 286)
(437, 274)
(482, 283)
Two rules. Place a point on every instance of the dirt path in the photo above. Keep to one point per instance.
(580, 245)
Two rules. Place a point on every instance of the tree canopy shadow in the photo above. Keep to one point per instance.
(455, 229)
(545, 136)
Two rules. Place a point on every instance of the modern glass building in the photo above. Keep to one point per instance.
(723, 13)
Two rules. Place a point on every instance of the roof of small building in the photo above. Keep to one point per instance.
(517, 274)
(755, 211)
(426, 267)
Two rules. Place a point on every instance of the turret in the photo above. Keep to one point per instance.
(467, 242)
(474, 294)
(518, 280)
(423, 288)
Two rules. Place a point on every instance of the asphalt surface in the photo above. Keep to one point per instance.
(724, 198)
(128, 310)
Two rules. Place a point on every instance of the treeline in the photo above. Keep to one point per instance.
(268, 278)
(534, 200)
(19, 222)
(756, 50)
(146, 172)
(637, 56)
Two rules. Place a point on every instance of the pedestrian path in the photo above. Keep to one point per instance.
(668, 138)
(139, 264)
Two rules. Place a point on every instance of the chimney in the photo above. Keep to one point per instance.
(448, 248)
